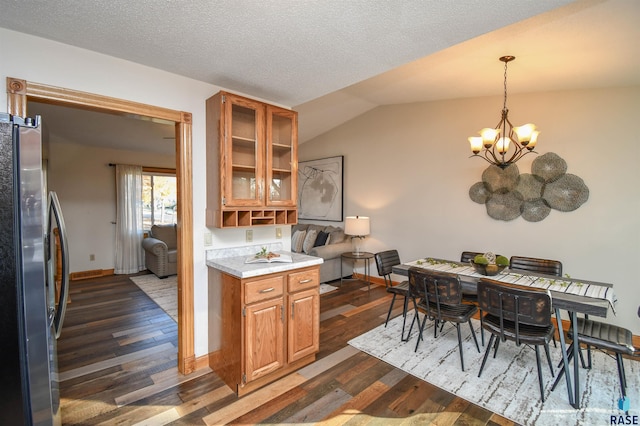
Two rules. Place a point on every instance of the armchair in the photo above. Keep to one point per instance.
(161, 250)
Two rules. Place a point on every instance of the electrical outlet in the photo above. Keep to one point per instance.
(278, 232)
(207, 238)
(249, 235)
(92, 257)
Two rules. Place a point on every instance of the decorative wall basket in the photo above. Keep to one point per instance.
(508, 194)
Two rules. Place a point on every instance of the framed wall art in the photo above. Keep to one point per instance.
(320, 193)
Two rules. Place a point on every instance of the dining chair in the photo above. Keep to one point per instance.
(439, 295)
(519, 314)
(466, 257)
(385, 261)
(604, 337)
(534, 264)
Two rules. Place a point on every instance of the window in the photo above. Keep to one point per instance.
(159, 198)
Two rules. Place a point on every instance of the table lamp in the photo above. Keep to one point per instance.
(358, 228)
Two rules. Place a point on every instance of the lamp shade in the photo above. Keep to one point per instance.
(357, 226)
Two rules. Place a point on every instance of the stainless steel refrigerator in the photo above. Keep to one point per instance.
(31, 310)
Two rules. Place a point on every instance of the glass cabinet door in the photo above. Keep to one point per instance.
(282, 164)
(244, 164)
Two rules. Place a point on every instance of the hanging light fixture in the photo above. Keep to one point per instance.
(504, 144)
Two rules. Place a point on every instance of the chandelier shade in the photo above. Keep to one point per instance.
(504, 144)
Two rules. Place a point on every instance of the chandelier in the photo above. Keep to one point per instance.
(504, 144)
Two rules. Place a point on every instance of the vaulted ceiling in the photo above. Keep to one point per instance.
(332, 60)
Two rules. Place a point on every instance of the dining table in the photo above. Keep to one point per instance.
(570, 294)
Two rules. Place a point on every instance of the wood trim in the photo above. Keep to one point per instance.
(57, 95)
(158, 170)
(373, 280)
(184, 175)
(19, 91)
(85, 275)
(146, 169)
(202, 362)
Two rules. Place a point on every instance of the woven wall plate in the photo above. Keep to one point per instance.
(549, 167)
(529, 187)
(499, 180)
(479, 193)
(567, 193)
(535, 211)
(504, 206)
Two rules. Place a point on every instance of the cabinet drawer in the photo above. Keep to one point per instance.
(255, 291)
(303, 280)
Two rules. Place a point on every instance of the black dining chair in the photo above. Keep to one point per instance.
(385, 261)
(466, 257)
(519, 314)
(534, 264)
(605, 337)
(439, 295)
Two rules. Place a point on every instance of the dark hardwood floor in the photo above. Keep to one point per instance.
(117, 364)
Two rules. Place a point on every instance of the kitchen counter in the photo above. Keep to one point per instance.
(235, 265)
(254, 336)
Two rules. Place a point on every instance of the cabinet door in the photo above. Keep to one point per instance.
(304, 324)
(264, 331)
(282, 156)
(242, 156)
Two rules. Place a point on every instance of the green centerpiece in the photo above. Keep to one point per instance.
(489, 264)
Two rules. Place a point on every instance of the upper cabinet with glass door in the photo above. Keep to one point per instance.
(282, 164)
(252, 162)
(243, 162)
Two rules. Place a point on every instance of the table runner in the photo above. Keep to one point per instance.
(562, 285)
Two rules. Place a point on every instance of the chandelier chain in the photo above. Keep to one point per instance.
(505, 85)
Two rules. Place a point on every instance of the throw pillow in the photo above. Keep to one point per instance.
(297, 240)
(337, 236)
(309, 239)
(321, 239)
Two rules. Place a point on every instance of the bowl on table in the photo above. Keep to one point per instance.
(488, 270)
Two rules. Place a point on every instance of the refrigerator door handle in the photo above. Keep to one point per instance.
(55, 212)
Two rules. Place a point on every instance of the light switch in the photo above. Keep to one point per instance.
(249, 235)
(278, 232)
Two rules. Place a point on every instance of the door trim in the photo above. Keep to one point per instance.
(19, 91)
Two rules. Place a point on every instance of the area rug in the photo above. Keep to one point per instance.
(164, 292)
(509, 382)
(326, 288)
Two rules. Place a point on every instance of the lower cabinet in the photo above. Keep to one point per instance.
(303, 324)
(264, 345)
(270, 327)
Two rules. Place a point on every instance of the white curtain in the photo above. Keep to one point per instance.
(129, 253)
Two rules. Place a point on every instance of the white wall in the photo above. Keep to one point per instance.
(43, 61)
(407, 167)
(85, 185)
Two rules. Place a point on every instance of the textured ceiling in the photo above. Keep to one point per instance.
(333, 60)
(286, 51)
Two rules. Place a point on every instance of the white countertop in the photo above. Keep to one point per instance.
(236, 266)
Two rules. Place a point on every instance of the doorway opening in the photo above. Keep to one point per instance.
(19, 92)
